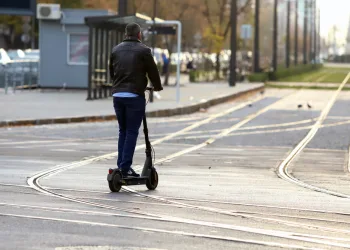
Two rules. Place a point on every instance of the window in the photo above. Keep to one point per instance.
(78, 49)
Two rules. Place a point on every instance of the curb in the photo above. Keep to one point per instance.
(158, 113)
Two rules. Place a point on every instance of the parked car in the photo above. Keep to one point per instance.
(4, 61)
(32, 54)
(4, 58)
(16, 54)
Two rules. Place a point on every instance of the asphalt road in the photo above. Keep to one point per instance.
(219, 188)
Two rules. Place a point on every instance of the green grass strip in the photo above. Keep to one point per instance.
(303, 87)
(336, 77)
(324, 75)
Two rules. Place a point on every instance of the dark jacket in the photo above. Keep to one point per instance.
(130, 64)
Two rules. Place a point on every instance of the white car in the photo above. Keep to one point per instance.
(4, 58)
(16, 54)
(32, 54)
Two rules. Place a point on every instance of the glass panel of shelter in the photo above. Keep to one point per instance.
(103, 39)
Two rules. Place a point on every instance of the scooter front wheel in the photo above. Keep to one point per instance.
(152, 181)
(114, 184)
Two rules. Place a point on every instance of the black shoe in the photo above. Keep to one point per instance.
(130, 173)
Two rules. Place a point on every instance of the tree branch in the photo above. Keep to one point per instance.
(244, 7)
(239, 11)
(227, 29)
(182, 13)
(222, 13)
(170, 44)
(206, 13)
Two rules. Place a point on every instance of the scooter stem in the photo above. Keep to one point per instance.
(148, 143)
(146, 171)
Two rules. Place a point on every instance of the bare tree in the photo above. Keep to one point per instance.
(219, 24)
(174, 10)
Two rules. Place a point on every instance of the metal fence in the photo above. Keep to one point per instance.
(19, 74)
(101, 41)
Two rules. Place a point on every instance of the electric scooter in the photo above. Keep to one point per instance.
(149, 175)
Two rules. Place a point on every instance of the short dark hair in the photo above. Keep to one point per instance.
(132, 29)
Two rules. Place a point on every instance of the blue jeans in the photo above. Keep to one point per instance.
(129, 112)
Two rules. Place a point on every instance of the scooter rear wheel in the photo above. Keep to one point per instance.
(114, 184)
(152, 181)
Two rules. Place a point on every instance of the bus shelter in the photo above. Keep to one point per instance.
(104, 33)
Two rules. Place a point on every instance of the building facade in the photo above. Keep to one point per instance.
(63, 46)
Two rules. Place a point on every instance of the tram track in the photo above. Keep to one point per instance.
(34, 181)
(175, 220)
(211, 140)
(181, 233)
(190, 134)
(254, 215)
(242, 211)
(282, 169)
(269, 131)
(302, 237)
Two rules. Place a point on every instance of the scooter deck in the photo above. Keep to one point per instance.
(133, 181)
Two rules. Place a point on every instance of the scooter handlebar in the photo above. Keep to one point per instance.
(153, 89)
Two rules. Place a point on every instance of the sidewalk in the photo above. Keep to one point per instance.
(30, 107)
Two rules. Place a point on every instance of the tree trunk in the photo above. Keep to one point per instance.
(217, 66)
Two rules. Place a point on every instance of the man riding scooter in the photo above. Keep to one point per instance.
(130, 64)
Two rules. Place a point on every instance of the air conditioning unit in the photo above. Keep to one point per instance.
(48, 11)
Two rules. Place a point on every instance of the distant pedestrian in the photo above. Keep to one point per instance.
(130, 64)
(190, 66)
(165, 67)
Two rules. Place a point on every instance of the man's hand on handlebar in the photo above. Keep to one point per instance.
(154, 89)
(158, 89)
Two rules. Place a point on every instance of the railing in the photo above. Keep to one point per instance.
(19, 74)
